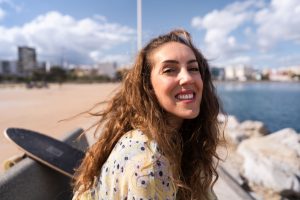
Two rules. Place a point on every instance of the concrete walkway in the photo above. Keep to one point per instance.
(225, 192)
(227, 188)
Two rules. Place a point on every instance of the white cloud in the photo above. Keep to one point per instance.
(219, 25)
(98, 57)
(100, 18)
(246, 60)
(11, 4)
(2, 13)
(8, 5)
(248, 31)
(289, 60)
(243, 28)
(121, 58)
(55, 35)
(275, 60)
(280, 21)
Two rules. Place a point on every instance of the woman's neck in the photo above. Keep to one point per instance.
(175, 121)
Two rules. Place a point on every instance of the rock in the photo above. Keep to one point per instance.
(273, 161)
(235, 136)
(236, 132)
(253, 128)
(232, 122)
(228, 124)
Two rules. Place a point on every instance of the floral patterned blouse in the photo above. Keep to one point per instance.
(135, 170)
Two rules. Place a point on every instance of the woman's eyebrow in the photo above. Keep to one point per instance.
(192, 61)
(170, 61)
(176, 62)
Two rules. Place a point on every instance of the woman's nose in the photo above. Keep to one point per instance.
(185, 77)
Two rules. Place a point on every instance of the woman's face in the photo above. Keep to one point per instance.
(176, 81)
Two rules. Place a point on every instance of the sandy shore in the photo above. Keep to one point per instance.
(41, 109)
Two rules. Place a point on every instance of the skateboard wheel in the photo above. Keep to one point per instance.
(10, 162)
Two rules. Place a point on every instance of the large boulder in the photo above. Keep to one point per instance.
(273, 161)
(228, 125)
(235, 132)
(253, 128)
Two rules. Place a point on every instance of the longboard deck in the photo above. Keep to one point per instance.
(46, 150)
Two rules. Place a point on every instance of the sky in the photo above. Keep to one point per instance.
(258, 33)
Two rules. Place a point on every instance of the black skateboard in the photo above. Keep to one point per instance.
(46, 150)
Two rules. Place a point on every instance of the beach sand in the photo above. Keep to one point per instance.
(42, 109)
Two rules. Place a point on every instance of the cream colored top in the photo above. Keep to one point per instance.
(136, 170)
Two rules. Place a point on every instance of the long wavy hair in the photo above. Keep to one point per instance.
(190, 150)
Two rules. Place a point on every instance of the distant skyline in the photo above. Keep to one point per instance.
(259, 33)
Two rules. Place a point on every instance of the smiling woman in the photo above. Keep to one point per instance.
(159, 132)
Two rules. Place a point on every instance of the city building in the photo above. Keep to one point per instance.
(27, 61)
(230, 73)
(81, 71)
(108, 68)
(291, 73)
(239, 72)
(8, 68)
(218, 73)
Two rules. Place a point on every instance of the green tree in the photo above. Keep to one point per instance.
(58, 74)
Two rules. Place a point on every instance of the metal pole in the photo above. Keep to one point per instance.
(139, 25)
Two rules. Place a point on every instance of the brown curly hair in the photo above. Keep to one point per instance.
(191, 150)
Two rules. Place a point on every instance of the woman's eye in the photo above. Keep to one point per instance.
(168, 70)
(194, 69)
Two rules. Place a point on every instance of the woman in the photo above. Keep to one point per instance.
(159, 131)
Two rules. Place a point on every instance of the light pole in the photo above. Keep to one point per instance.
(139, 25)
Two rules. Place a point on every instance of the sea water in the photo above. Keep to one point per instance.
(276, 104)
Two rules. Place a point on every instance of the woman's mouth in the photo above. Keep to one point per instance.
(185, 96)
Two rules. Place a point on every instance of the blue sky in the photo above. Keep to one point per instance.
(260, 33)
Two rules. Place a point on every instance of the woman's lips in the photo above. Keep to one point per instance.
(185, 96)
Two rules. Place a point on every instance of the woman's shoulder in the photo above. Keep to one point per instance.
(136, 164)
(135, 135)
(134, 143)
(135, 150)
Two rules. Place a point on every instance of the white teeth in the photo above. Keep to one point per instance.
(185, 96)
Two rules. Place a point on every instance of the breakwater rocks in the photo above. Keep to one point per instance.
(267, 161)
